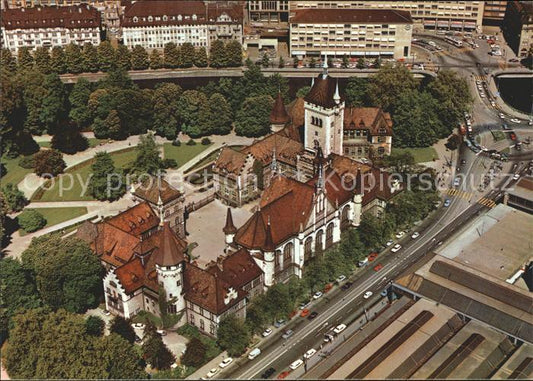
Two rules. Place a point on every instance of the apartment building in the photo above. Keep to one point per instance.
(152, 24)
(457, 15)
(494, 12)
(517, 27)
(268, 12)
(353, 32)
(50, 26)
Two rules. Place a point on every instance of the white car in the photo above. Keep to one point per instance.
(457, 182)
(482, 95)
(266, 332)
(225, 362)
(161, 332)
(516, 176)
(415, 235)
(396, 248)
(296, 364)
(138, 325)
(400, 234)
(367, 294)
(341, 278)
(493, 104)
(514, 120)
(501, 115)
(309, 353)
(212, 372)
(338, 329)
(317, 295)
(389, 242)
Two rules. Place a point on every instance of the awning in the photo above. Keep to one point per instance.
(429, 23)
(372, 53)
(470, 25)
(457, 24)
(443, 24)
(298, 52)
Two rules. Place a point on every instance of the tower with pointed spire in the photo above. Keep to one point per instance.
(229, 229)
(356, 207)
(269, 251)
(279, 116)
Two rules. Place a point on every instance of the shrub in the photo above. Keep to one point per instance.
(94, 326)
(206, 141)
(14, 198)
(176, 143)
(191, 143)
(27, 162)
(31, 220)
(169, 163)
(49, 162)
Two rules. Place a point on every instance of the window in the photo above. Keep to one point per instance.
(178, 283)
(381, 150)
(212, 329)
(202, 325)
(172, 309)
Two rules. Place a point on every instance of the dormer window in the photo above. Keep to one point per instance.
(180, 17)
(194, 17)
(150, 19)
(165, 18)
(382, 131)
(135, 19)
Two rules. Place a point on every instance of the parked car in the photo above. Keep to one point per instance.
(501, 115)
(338, 329)
(341, 278)
(362, 263)
(457, 182)
(372, 256)
(514, 120)
(106, 312)
(346, 286)
(389, 242)
(304, 304)
(225, 362)
(396, 248)
(269, 372)
(400, 234)
(254, 353)
(447, 202)
(415, 235)
(162, 332)
(516, 176)
(317, 295)
(282, 375)
(505, 127)
(304, 312)
(313, 315)
(138, 325)
(367, 294)
(378, 267)
(212, 372)
(288, 333)
(266, 332)
(138, 339)
(383, 293)
(310, 353)
(278, 323)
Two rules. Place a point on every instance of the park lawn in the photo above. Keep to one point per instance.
(78, 175)
(55, 216)
(421, 155)
(15, 173)
(183, 153)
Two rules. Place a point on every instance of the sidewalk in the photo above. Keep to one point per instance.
(210, 365)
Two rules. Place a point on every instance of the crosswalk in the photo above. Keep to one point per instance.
(469, 195)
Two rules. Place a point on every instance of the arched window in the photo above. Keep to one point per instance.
(329, 235)
(308, 248)
(287, 254)
(277, 260)
(319, 243)
(345, 222)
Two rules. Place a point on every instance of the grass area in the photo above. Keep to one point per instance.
(183, 153)
(55, 216)
(93, 142)
(70, 185)
(421, 155)
(189, 331)
(498, 135)
(15, 174)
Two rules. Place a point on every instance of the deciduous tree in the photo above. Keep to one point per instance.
(54, 103)
(200, 57)
(234, 53)
(187, 54)
(123, 328)
(7, 61)
(90, 58)
(356, 92)
(217, 54)
(194, 353)
(94, 326)
(253, 119)
(220, 116)
(31, 220)
(233, 336)
(106, 56)
(166, 110)
(139, 58)
(105, 183)
(25, 58)
(74, 59)
(148, 159)
(79, 103)
(42, 59)
(49, 162)
(58, 62)
(14, 198)
(123, 57)
(389, 84)
(156, 60)
(171, 55)
(156, 353)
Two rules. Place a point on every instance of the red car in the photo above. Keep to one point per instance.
(513, 136)
(372, 256)
(304, 312)
(378, 267)
(282, 375)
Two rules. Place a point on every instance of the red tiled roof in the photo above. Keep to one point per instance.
(238, 268)
(336, 191)
(230, 160)
(279, 113)
(229, 227)
(297, 112)
(153, 188)
(351, 16)
(71, 17)
(323, 90)
(286, 149)
(371, 118)
(170, 250)
(136, 220)
(131, 275)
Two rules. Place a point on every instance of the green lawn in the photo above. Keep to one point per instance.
(93, 142)
(15, 174)
(421, 155)
(76, 176)
(498, 135)
(183, 153)
(55, 216)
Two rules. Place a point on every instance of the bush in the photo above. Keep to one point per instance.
(191, 143)
(176, 143)
(206, 141)
(31, 220)
(169, 163)
(27, 162)
(94, 326)
(14, 198)
(49, 162)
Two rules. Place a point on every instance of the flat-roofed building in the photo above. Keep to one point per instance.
(152, 24)
(494, 12)
(351, 32)
(521, 195)
(517, 27)
(456, 15)
(274, 12)
(50, 26)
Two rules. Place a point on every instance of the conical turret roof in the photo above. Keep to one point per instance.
(171, 248)
(229, 228)
(279, 113)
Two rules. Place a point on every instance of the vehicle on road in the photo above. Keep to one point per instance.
(304, 312)
(362, 263)
(493, 104)
(288, 333)
(254, 353)
(212, 372)
(296, 364)
(516, 176)
(383, 293)
(447, 202)
(225, 362)
(161, 332)
(415, 235)
(317, 295)
(501, 115)
(338, 329)
(310, 353)
(269, 372)
(304, 304)
(313, 315)
(396, 248)
(514, 120)
(278, 323)
(282, 375)
(372, 256)
(457, 182)
(378, 267)
(389, 242)
(512, 135)
(367, 294)
(138, 325)
(341, 278)
(266, 332)
(346, 286)
(328, 287)
(400, 234)
(463, 162)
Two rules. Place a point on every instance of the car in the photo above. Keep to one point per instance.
(225, 362)
(317, 295)
(341, 278)
(501, 115)
(396, 248)
(138, 339)
(269, 372)
(514, 60)
(478, 82)
(378, 267)
(328, 287)
(516, 176)
(212, 372)
(514, 120)
(400, 234)
(530, 123)
(266, 332)
(482, 95)
(389, 242)
(338, 329)
(161, 332)
(463, 162)
(512, 135)
(367, 294)
(138, 325)
(457, 182)
(346, 286)
(174, 365)
(372, 256)
(310, 353)
(493, 104)
(447, 202)
(505, 127)
(282, 375)
(254, 353)
(313, 315)
(384, 293)
(415, 235)
(304, 312)
(362, 263)
(304, 304)
(288, 333)
(106, 312)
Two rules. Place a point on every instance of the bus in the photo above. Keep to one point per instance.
(454, 41)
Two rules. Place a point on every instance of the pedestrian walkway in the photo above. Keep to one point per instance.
(201, 372)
